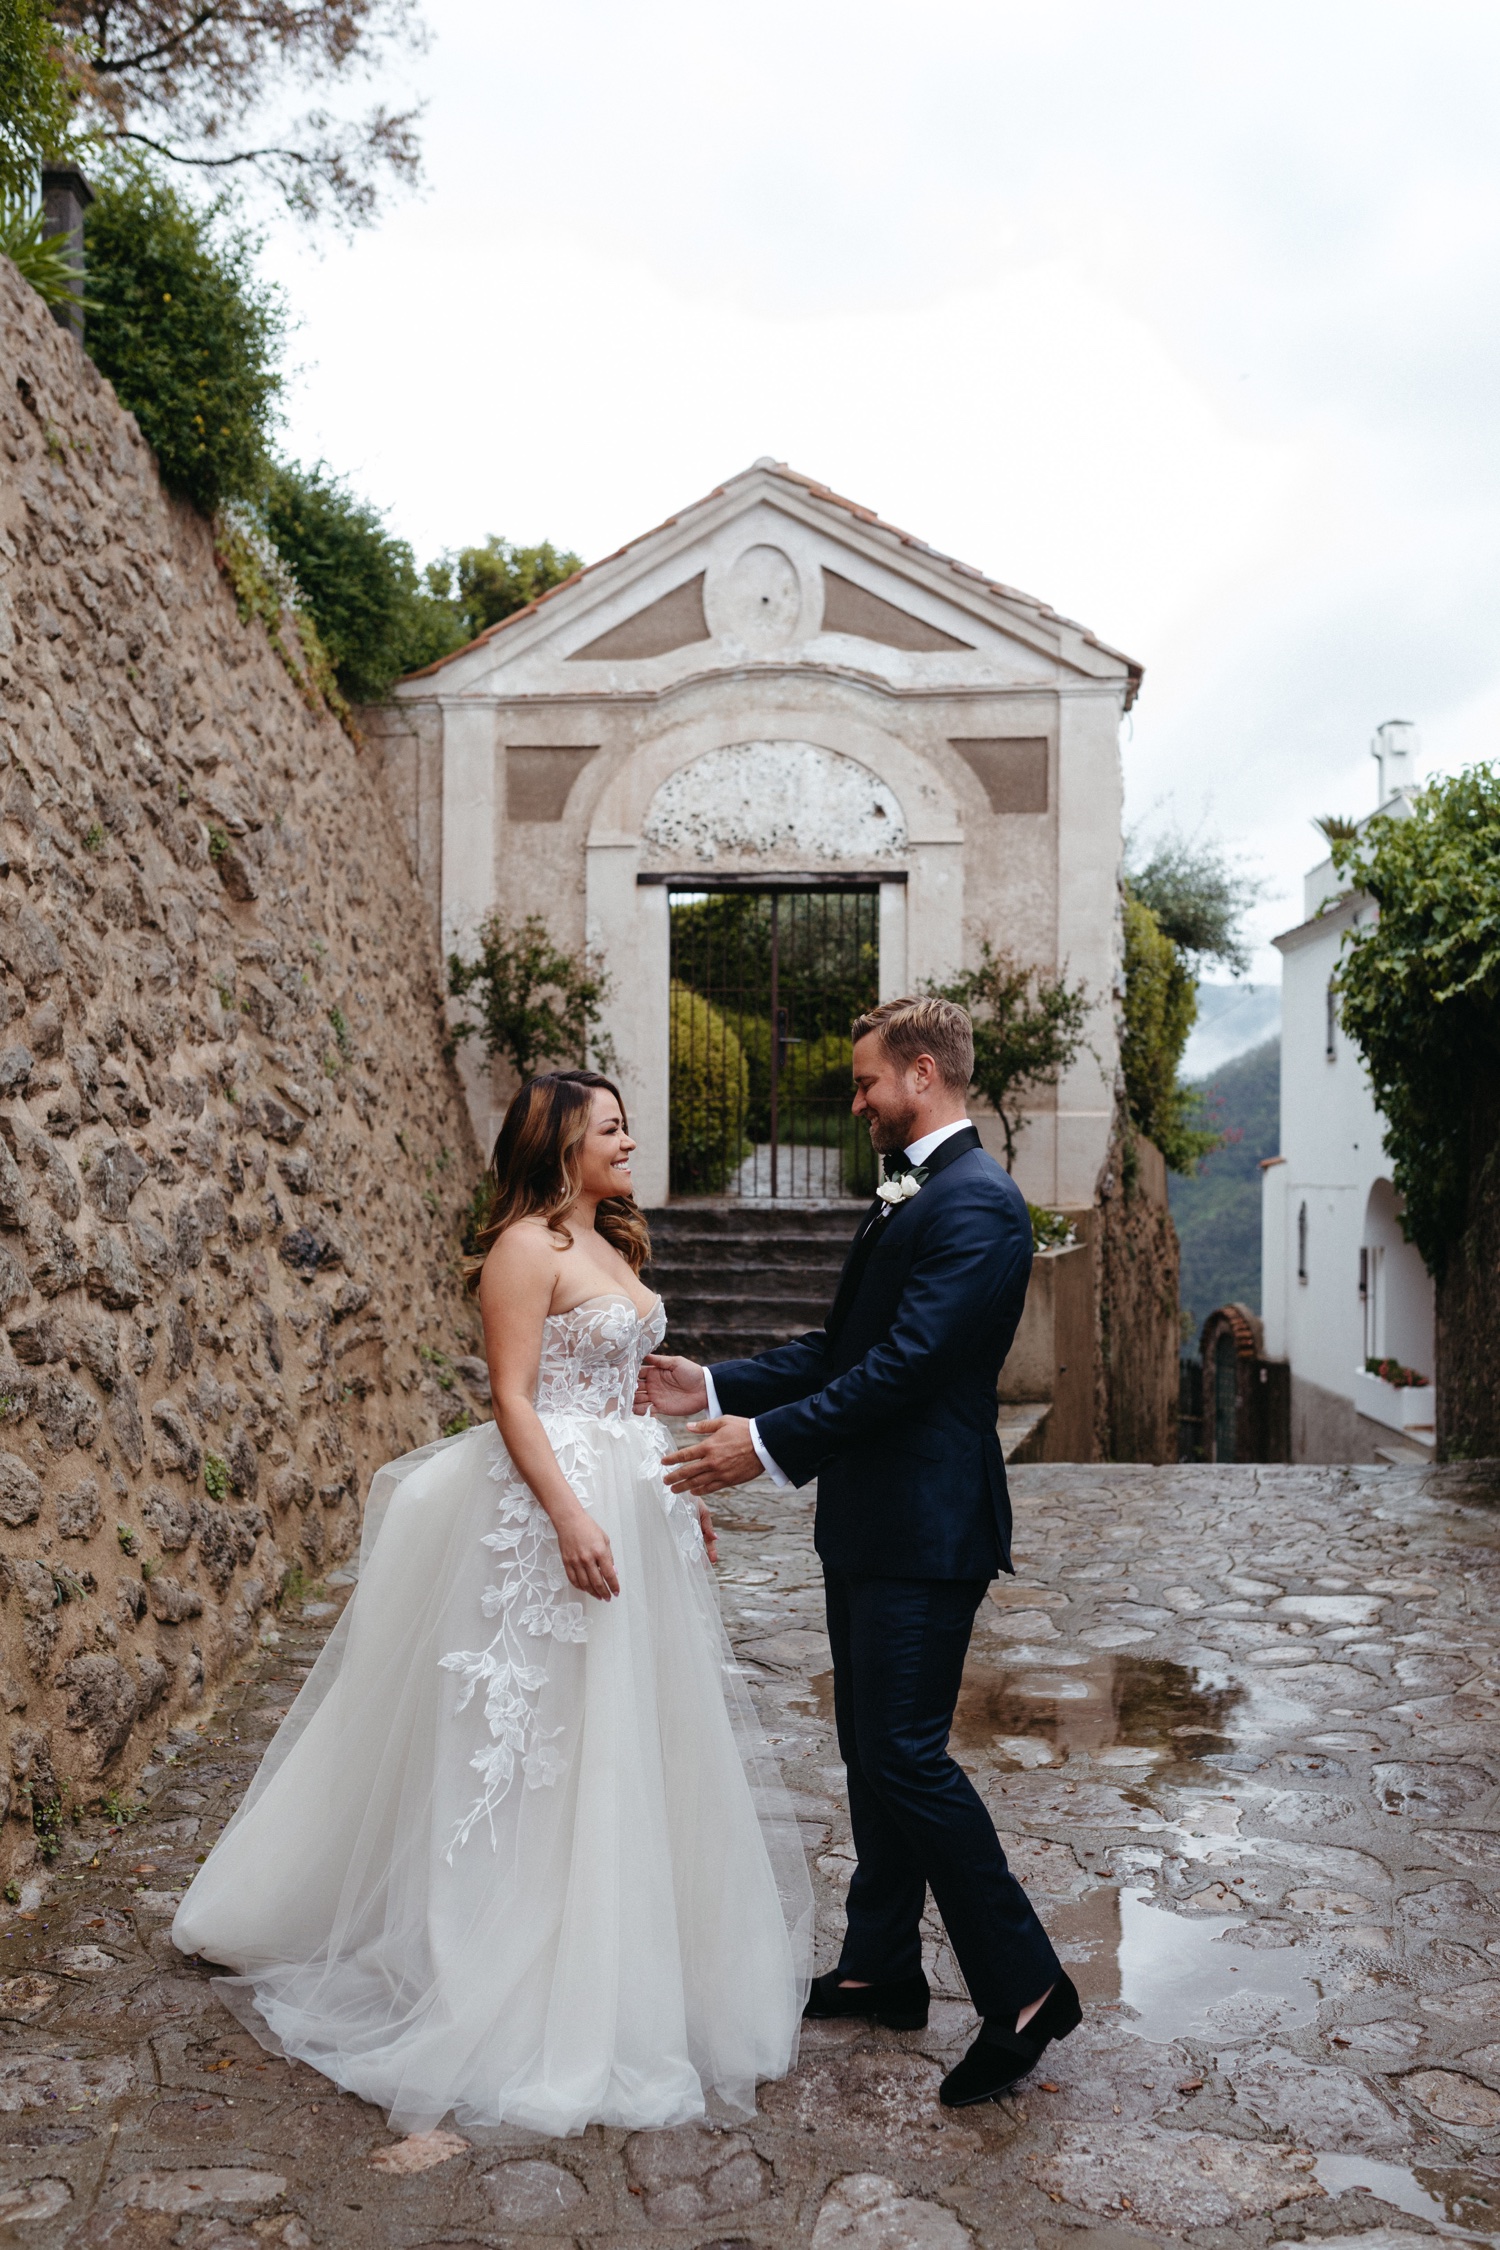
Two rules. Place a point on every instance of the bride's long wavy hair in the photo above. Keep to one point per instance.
(535, 1171)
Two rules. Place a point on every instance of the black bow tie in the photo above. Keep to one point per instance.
(896, 1166)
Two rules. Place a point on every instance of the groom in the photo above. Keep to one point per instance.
(892, 1408)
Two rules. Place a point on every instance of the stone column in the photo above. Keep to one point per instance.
(1089, 795)
(470, 888)
(66, 195)
(892, 984)
(629, 926)
(934, 911)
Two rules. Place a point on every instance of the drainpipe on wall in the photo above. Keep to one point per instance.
(66, 195)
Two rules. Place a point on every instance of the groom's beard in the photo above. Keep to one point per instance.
(889, 1133)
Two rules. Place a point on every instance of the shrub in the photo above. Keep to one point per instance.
(1161, 1005)
(822, 1070)
(360, 585)
(754, 1035)
(1028, 1028)
(185, 332)
(1050, 1230)
(813, 1097)
(710, 1096)
(1419, 993)
(536, 1004)
(817, 1086)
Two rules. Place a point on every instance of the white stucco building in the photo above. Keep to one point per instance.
(1340, 1283)
(776, 685)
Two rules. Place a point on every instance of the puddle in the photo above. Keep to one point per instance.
(1086, 1933)
(1182, 1981)
(1124, 1711)
(1456, 2202)
(1113, 1700)
(819, 1687)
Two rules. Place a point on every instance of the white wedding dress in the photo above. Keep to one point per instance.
(517, 1855)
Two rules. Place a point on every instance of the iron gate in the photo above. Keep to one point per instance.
(765, 984)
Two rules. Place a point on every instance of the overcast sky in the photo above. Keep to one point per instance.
(1184, 319)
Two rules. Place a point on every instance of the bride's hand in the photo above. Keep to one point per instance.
(710, 1536)
(587, 1556)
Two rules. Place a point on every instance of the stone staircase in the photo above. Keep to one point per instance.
(739, 1276)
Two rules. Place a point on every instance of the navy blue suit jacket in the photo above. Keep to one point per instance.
(891, 1405)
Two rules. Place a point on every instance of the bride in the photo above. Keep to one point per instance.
(519, 1852)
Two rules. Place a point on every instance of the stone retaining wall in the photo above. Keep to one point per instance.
(233, 1160)
(1138, 1317)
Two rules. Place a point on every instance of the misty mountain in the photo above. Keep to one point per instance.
(1217, 1213)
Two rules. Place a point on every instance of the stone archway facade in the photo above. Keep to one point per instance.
(774, 684)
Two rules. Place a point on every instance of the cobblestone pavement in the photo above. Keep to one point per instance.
(1240, 1729)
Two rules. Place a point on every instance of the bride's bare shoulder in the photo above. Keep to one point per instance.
(521, 1260)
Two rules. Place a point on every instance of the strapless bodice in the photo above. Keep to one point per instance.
(592, 1355)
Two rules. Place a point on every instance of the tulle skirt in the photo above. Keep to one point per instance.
(516, 1855)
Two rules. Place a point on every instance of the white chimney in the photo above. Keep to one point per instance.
(1394, 750)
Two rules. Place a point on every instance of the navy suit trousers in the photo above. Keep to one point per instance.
(898, 1657)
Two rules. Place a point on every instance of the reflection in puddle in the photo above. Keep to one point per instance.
(1144, 1702)
(1086, 1933)
(820, 1687)
(1181, 1981)
(1453, 2201)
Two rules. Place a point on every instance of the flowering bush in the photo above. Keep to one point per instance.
(1400, 1378)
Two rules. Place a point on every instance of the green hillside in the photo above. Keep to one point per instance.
(1217, 1213)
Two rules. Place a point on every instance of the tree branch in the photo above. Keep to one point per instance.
(216, 163)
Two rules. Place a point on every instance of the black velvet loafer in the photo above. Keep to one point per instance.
(1000, 2056)
(900, 2003)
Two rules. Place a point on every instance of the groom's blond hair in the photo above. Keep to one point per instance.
(908, 1028)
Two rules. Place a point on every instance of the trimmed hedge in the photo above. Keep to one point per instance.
(710, 1096)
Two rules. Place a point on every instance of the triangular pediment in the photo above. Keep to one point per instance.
(775, 568)
(672, 621)
(853, 610)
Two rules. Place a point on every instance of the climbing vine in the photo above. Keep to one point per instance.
(265, 588)
(1160, 1008)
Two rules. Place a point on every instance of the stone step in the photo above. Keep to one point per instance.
(709, 1344)
(739, 1254)
(738, 1277)
(731, 1253)
(802, 1221)
(713, 1309)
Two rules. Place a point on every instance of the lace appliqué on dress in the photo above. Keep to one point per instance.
(590, 1364)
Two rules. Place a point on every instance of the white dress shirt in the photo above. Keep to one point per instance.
(915, 1155)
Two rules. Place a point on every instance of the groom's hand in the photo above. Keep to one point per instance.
(722, 1457)
(671, 1386)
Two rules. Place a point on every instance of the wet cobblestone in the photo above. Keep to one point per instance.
(1241, 1732)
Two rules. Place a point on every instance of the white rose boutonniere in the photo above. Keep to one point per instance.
(892, 1192)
